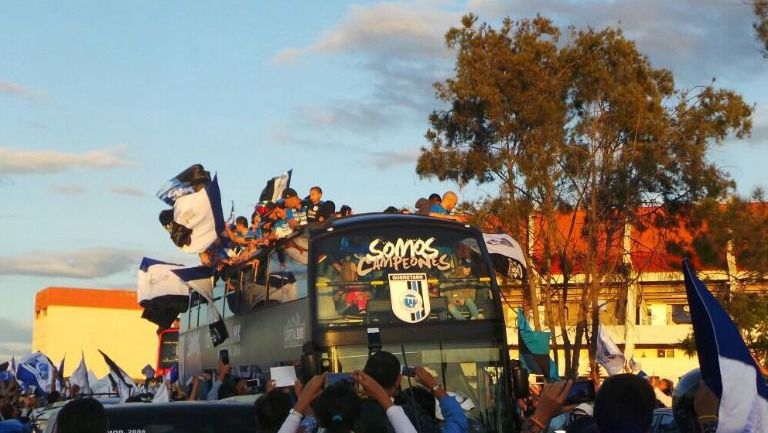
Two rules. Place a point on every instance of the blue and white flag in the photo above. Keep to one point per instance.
(184, 183)
(608, 354)
(201, 213)
(80, 378)
(200, 280)
(36, 370)
(726, 364)
(273, 191)
(160, 292)
(507, 256)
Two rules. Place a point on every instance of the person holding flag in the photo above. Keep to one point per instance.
(728, 372)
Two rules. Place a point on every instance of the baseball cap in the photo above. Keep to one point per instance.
(289, 192)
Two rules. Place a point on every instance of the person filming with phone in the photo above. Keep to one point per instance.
(624, 404)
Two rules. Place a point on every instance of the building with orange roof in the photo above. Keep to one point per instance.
(645, 310)
(69, 321)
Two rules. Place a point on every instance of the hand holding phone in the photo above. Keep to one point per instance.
(224, 356)
(332, 378)
(582, 391)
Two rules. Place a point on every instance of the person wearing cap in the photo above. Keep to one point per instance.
(292, 205)
(291, 199)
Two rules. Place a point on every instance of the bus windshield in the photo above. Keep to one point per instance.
(472, 372)
(401, 274)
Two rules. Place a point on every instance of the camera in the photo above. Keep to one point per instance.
(408, 371)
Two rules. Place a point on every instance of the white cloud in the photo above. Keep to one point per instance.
(400, 45)
(126, 190)
(360, 116)
(696, 39)
(15, 339)
(16, 161)
(387, 159)
(759, 126)
(398, 29)
(85, 263)
(68, 189)
(18, 90)
(14, 332)
(288, 56)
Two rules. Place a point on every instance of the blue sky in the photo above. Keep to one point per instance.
(102, 102)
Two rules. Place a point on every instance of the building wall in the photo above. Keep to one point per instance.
(121, 333)
(657, 350)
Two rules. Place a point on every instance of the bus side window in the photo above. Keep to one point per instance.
(184, 322)
(287, 279)
(218, 298)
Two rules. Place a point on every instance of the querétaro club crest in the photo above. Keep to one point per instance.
(409, 295)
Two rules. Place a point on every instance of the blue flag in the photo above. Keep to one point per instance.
(534, 349)
(36, 370)
(726, 365)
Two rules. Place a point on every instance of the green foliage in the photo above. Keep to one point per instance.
(742, 222)
(750, 314)
(585, 124)
(688, 345)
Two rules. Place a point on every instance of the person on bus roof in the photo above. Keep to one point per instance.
(313, 204)
(446, 206)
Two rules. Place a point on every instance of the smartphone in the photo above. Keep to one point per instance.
(374, 340)
(581, 391)
(408, 371)
(224, 356)
(332, 378)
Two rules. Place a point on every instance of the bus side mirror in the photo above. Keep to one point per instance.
(519, 376)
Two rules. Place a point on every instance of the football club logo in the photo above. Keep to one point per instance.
(409, 296)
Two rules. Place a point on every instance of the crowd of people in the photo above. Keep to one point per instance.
(271, 222)
(372, 400)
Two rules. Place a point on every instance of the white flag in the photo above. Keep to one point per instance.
(161, 393)
(608, 354)
(201, 212)
(79, 377)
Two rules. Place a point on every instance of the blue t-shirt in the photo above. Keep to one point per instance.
(438, 208)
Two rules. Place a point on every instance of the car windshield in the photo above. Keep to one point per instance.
(405, 274)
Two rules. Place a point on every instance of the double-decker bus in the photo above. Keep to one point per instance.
(425, 285)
